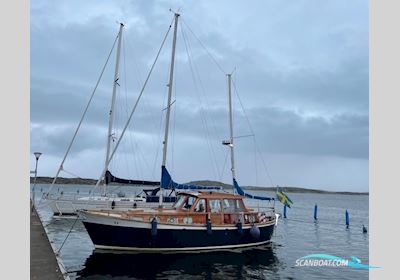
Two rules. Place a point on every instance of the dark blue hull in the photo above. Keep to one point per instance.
(131, 238)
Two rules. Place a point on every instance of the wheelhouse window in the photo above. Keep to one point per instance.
(189, 202)
(179, 202)
(200, 206)
(233, 205)
(215, 205)
(229, 205)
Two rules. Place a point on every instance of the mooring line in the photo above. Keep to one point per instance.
(70, 230)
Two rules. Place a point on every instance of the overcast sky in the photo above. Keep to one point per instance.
(301, 74)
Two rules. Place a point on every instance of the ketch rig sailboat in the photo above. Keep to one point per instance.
(198, 221)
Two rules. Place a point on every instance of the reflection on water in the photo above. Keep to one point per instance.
(317, 235)
(250, 263)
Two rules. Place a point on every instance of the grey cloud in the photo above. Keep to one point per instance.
(302, 74)
(54, 140)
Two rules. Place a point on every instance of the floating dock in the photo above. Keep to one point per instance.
(43, 264)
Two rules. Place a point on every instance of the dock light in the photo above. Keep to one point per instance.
(37, 156)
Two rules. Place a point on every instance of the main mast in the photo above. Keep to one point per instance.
(114, 92)
(231, 129)
(171, 78)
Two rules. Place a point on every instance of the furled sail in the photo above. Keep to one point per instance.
(112, 179)
(241, 192)
(168, 183)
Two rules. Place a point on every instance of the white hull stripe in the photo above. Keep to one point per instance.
(183, 249)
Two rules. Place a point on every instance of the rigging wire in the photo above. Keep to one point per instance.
(223, 167)
(70, 173)
(120, 158)
(81, 120)
(126, 125)
(202, 113)
(160, 127)
(155, 122)
(241, 104)
(159, 147)
(135, 105)
(174, 118)
(252, 131)
(250, 135)
(202, 92)
(136, 156)
(198, 75)
(117, 118)
(127, 162)
(201, 43)
(69, 232)
(139, 75)
(131, 139)
(140, 154)
(255, 158)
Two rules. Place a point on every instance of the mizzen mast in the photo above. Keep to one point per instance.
(231, 129)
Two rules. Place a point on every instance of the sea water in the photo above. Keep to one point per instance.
(296, 236)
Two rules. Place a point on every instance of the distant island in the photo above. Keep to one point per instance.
(288, 189)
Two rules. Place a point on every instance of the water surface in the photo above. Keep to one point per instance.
(294, 237)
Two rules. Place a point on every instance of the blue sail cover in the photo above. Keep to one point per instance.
(241, 192)
(168, 183)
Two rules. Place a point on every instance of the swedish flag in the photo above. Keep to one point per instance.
(282, 197)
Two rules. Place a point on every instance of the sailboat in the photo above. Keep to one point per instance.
(200, 220)
(62, 204)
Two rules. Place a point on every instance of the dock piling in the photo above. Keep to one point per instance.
(315, 212)
(364, 229)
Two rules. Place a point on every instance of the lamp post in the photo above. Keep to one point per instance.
(37, 156)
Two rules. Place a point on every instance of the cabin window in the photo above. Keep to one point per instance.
(239, 205)
(189, 202)
(179, 202)
(233, 205)
(215, 206)
(200, 206)
(229, 205)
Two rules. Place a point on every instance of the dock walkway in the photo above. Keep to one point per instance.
(43, 264)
